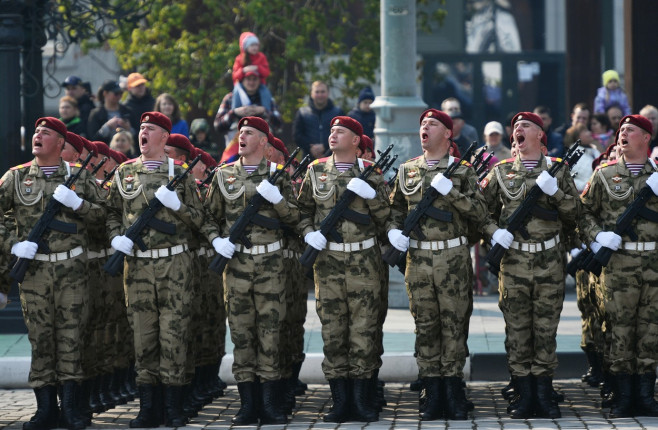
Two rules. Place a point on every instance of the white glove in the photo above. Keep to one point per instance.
(25, 249)
(223, 246)
(653, 182)
(441, 184)
(269, 192)
(316, 240)
(609, 239)
(122, 244)
(595, 247)
(547, 183)
(67, 197)
(398, 240)
(502, 237)
(168, 198)
(3, 300)
(361, 188)
(574, 252)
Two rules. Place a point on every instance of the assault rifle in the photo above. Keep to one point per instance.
(48, 222)
(98, 167)
(394, 257)
(516, 221)
(301, 167)
(147, 219)
(477, 160)
(238, 231)
(342, 210)
(482, 168)
(389, 164)
(579, 261)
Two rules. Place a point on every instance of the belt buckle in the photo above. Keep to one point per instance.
(163, 252)
(532, 247)
(640, 246)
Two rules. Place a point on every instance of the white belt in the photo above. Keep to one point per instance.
(437, 245)
(639, 246)
(92, 255)
(354, 246)
(161, 252)
(259, 249)
(205, 252)
(536, 246)
(59, 256)
(289, 253)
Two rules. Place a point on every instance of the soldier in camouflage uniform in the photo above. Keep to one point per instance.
(438, 269)
(157, 281)
(630, 297)
(347, 281)
(532, 271)
(254, 277)
(54, 291)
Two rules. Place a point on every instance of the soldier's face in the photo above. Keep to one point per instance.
(250, 141)
(343, 140)
(528, 137)
(433, 133)
(46, 142)
(199, 171)
(69, 153)
(152, 139)
(633, 141)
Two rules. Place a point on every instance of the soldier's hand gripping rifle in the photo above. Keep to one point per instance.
(238, 231)
(147, 219)
(342, 210)
(516, 221)
(395, 257)
(48, 222)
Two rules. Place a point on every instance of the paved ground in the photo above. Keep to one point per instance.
(580, 411)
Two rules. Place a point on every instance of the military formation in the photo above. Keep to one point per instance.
(128, 269)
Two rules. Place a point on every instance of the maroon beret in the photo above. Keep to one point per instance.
(53, 124)
(103, 149)
(528, 116)
(253, 121)
(455, 150)
(206, 159)
(280, 146)
(91, 146)
(441, 116)
(75, 141)
(366, 143)
(179, 141)
(639, 121)
(158, 119)
(117, 156)
(349, 123)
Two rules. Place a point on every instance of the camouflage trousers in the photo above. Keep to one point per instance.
(531, 297)
(348, 299)
(159, 298)
(98, 350)
(383, 310)
(54, 298)
(630, 297)
(256, 307)
(438, 284)
(118, 327)
(292, 332)
(209, 315)
(592, 336)
(194, 340)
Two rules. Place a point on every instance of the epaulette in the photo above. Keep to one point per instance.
(180, 163)
(606, 164)
(507, 160)
(412, 159)
(225, 165)
(555, 159)
(132, 160)
(465, 163)
(75, 164)
(319, 160)
(21, 166)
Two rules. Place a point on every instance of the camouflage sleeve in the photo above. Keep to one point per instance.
(92, 209)
(469, 202)
(214, 211)
(589, 222)
(380, 208)
(399, 207)
(489, 188)
(566, 200)
(191, 211)
(306, 205)
(287, 208)
(114, 212)
(7, 233)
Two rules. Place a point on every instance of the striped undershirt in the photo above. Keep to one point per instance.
(343, 167)
(48, 170)
(635, 168)
(250, 168)
(151, 165)
(431, 163)
(530, 164)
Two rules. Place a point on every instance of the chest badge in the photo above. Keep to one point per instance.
(323, 177)
(411, 175)
(231, 180)
(511, 175)
(130, 178)
(616, 179)
(28, 182)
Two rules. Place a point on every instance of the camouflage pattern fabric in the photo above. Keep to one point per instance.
(292, 333)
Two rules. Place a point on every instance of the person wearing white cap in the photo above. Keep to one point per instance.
(493, 138)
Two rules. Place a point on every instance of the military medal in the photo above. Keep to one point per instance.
(231, 179)
(511, 175)
(616, 179)
(411, 175)
(28, 185)
(129, 182)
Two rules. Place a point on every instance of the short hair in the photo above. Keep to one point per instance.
(180, 151)
(541, 109)
(70, 100)
(648, 108)
(581, 106)
(603, 119)
(450, 99)
(317, 83)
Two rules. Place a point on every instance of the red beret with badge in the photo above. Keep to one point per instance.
(349, 123)
(280, 146)
(75, 141)
(179, 141)
(443, 117)
(103, 149)
(206, 158)
(91, 146)
(528, 116)
(253, 121)
(639, 121)
(117, 156)
(53, 124)
(158, 119)
(366, 144)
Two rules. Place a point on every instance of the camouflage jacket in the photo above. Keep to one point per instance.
(97, 232)
(464, 202)
(230, 192)
(611, 188)
(26, 190)
(132, 189)
(506, 186)
(324, 185)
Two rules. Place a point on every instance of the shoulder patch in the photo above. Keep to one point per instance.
(412, 159)
(225, 165)
(22, 166)
(465, 163)
(586, 189)
(320, 160)
(556, 159)
(507, 160)
(132, 160)
(180, 163)
(75, 164)
(606, 164)
(484, 183)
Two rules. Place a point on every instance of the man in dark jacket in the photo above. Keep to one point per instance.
(140, 99)
(75, 88)
(312, 123)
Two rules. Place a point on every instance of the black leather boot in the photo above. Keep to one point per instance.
(288, 387)
(82, 397)
(248, 413)
(190, 407)
(361, 409)
(646, 405)
(545, 407)
(104, 392)
(148, 410)
(173, 402)
(47, 411)
(508, 390)
(594, 375)
(456, 408)
(70, 417)
(113, 389)
(340, 411)
(199, 387)
(123, 385)
(431, 407)
(94, 397)
(416, 385)
(270, 412)
(300, 387)
(607, 390)
(524, 386)
(377, 387)
(622, 406)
